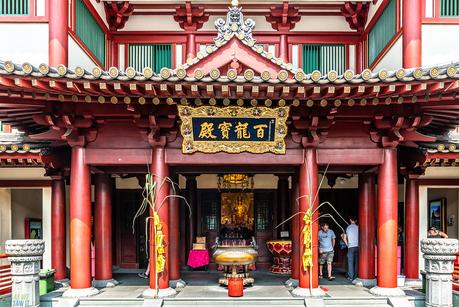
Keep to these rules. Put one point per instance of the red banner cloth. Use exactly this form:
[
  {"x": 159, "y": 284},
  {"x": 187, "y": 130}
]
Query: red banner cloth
[{"x": 198, "y": 258}]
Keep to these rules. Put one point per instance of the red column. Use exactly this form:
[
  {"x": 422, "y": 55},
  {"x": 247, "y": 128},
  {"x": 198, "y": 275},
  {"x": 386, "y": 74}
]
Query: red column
[
  {"x": 412, "y": 229},
  {"x": 387, "y": 220},
  {"x": 190, "y": 46},
  {"x": 295, "y": 231},
  {"x": 412, "y": 35},
  {"x": 283, "y": 48},
  {"x": 191, "y": 224},
  {"x": 58, "y": 248},
  {"x": 308, "y": 187},
  {"x": 174, "y": 236},
  {"x": 103, "y": 227},
  {"x": 366, "y": 227},
  {"x": 159, "y": 170},
  {"x": 80, "y": 221},
  {"x": 58, "y": 32}
]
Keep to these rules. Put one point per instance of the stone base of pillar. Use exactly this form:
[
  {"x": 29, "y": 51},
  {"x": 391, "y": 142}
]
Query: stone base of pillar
[
  {"x": 161, "y": 293},
  {"x": 306, "y": 292},
  {"x": 380, "y": 291},
  {"x": 292, "y": 283},
  {"x": 105, "y": 283},
  {"x": 80, "y": 292},
  {"x": 412, "y": 282},
  {"x": 62, "y": 283},
  {"x": 364, "y": 282},
  {"x": 177, "y": 284}
]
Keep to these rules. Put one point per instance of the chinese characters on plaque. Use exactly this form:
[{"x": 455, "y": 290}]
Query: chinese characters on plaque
[{"x": 233, "y": 129}]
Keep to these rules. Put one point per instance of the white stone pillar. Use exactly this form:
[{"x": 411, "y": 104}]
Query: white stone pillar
[
  {"x": 25, "y": 257},
  {"x": 439, "y": 256}
]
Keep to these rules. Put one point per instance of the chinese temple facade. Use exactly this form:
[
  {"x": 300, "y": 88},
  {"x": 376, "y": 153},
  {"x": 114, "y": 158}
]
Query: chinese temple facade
[{"x": 271, "y": 117}]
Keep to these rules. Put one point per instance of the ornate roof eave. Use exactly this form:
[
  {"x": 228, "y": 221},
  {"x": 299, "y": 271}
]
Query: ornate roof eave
[{"x": 436, "y": 73}]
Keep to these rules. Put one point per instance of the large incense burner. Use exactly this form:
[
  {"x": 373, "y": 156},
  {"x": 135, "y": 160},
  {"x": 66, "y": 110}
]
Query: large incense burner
[{"x": 235, "y": 255}]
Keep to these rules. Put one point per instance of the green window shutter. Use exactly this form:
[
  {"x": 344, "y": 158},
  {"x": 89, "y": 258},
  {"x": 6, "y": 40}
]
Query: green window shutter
[
  {"x": 89, "y": 31},
  {"x": 14, "y": 7},
  {"x": 155, "y": 56},
  {"x": 382, "y": 32},
  {"x": 324, "y": 58},
  {"x": 449, "y": 8}
]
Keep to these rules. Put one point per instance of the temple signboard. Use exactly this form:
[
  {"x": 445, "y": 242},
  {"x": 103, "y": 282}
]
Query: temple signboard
[{"x": 212, "y": 129}]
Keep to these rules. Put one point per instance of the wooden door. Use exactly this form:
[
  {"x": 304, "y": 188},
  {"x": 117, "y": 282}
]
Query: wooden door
[
  {"x": 265, "y": 201},
  {"x": 130, "y": 247}
]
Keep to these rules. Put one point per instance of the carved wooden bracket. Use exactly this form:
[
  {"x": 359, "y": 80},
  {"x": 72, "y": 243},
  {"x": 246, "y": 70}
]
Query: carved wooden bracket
[
  {"x": 283, "y": 17},
  {"x": 117, "y": 14},
  {"x": 75, "y": 130},
  {"x": 356, "y": 14},
  {"x": 190, "y": 18},
  {"x": 392, "y": 131},
  {"x": 157, "y": 130}
]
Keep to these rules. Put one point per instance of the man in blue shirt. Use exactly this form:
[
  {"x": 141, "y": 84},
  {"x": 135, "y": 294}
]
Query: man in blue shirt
[
  {"x": 351, "y": 238},
  {"x": 327, "y": 240}
]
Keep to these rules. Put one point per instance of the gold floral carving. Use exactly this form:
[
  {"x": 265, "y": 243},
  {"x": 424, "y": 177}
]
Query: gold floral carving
[{"x": 189, "y": 145}]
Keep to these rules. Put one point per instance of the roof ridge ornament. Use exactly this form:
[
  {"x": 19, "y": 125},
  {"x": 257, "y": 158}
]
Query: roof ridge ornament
[{"x": 234, "y": 25}]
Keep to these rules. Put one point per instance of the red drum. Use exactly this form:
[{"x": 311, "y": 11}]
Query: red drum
[{"x": 282, "y": 252}]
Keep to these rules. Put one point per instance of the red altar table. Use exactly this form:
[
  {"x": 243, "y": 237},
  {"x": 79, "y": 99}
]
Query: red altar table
[{"x": 198, "y": 258}]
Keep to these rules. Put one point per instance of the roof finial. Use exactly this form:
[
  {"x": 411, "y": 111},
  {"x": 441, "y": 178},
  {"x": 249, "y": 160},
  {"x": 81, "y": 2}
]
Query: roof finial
[{"x": 234, "y": 3}]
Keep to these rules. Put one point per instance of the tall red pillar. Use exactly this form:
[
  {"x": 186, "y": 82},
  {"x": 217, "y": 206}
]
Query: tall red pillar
[
  {"x": 174, "y": 236},
  {"x": 159, "y": 285},
  {"x": 283, "y": 48},
  {"x": 58, "y": 32},
  {"x": 411, "y": 229},
  {"x": 58, "y": 234},
  {"x": 191, "y": 224},
  {"x": 387, "y": 226},
  {"x": 103, "y": 231},
  {"x": 295, "y": 231},
  {"x": 366, "y": 274},
  {"x": 308, "y": 182},
  {"x": 412, "y": 33},
  {"x": 80, "y": 227},
  {"x": 190, "y": 46}
]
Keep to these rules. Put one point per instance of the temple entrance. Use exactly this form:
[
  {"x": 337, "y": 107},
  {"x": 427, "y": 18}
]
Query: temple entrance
[{"x": 234, "y": 214}]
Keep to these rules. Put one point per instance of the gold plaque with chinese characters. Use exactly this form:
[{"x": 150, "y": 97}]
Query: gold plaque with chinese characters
[{"x": 213, "y": 129}]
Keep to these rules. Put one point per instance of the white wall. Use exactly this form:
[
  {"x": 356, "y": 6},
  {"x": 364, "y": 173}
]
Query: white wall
[
  {"x": 31, "y": 173},
  {"x": 24, "y": 42},
  {"x": 167, "y": 23},
  {"x": 46, "y": 224},
  {"x": 393, "y": 59},
  {"x": 439, "y": 44},
  {"x": 25, "y": 203},
  {"x": 77, "y": 57},
  {"x": 5, "y": 218},
  {"x": 372, "y": 11},
  {"x": 99, "y": 7}
]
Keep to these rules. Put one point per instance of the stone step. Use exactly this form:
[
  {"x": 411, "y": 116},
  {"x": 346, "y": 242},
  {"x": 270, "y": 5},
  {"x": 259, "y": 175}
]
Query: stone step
[
  {"x": 88, "y": 302},
  {"x": 346, "y": 301},
  {"x": 241, "y": 302}
]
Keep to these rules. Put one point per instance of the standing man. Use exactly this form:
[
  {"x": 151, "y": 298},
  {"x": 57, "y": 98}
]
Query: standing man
[
  {"x": 327, "y": 240},
  {"x": 351, "y": 238}
]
